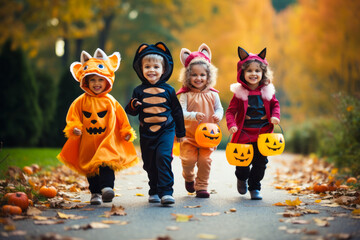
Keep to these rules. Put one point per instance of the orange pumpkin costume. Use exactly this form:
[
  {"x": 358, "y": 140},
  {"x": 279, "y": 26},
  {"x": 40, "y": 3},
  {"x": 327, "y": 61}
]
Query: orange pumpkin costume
[{"x": 101, "y": 118}]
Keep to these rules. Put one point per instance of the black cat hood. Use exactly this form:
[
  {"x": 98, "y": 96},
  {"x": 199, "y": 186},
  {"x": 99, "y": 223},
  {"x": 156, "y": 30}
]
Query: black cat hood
[{"x": 160, "y": 49}]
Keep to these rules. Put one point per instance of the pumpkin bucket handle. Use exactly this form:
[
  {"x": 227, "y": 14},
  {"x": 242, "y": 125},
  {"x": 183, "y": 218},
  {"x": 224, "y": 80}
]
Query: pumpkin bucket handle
[
  {"x": 199, "y": 121},
  {"x": 282, "y": 132},
  {"x": 243, "y": 132}
]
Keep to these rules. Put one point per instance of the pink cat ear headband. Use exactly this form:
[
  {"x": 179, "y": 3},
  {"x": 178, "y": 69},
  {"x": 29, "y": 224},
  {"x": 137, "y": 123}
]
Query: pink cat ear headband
[{"x": 186, "y": 56}]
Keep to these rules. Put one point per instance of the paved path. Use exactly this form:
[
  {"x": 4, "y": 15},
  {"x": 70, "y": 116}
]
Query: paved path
[{"x": 252, "y": 220}]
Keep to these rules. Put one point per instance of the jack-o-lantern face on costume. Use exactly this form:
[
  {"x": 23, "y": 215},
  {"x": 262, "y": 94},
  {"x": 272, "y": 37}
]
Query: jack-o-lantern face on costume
[
  {"x": 239, "y": 154},
  {"x": 95, "y": 122},
  {"x": 270, "y": 144},
  {"x": 208, "y": 135}
]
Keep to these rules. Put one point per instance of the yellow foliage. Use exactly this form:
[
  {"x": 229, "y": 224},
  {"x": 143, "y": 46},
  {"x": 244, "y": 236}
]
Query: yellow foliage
[{"x": 295, "y": 202}]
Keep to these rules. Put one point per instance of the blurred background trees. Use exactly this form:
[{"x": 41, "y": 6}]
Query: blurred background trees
[{"x": 312, "y": 48}]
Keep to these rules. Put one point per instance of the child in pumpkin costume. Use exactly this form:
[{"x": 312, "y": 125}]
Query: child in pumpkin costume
[
  {"x": 199, "y": 102},
  {"x": 253, "y": 110},
  {"x": 99, "y": 134},
  {"x": 160, "y": 118}
]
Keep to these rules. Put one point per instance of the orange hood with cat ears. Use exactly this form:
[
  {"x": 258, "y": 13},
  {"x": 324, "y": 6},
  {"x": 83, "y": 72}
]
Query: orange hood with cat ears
[{"x": 101, "y": 65}]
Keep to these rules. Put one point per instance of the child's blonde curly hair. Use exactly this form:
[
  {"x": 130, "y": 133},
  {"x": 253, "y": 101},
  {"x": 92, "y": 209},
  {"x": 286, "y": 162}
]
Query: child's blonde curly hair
[{"x": 211, "y": 73}]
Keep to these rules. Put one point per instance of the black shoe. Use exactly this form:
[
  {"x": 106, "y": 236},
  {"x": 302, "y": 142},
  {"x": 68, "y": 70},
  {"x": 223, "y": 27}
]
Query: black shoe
[
  {"x": 202, "y": 194},
  {"x": 242, "y": 187},
  {"x": 189, "y": 186}
]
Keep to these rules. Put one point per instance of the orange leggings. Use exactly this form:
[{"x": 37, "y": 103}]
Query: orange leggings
[{"x": 192, "y": 156}]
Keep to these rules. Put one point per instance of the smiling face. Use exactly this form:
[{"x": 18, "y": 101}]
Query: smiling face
[
  {"x": 239, "y": 154},
  {"x": 152, "y": 69},
  {"x": 253, "y": 75},
  {"x": 97, "y": 84},
  {"x": 95, "y": 122},
  {"x": 198, "y": 76},
  {"x": 208, "y": 135},
  {"x": 271, "y": 144}
]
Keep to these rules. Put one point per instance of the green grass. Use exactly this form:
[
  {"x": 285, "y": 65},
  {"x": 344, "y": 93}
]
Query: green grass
[{"x": 20, "y": 157}]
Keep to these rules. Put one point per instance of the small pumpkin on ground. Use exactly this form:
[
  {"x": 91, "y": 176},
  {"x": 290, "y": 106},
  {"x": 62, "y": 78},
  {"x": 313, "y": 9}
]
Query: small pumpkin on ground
[
  {"x": 28, "y": 170},
  {"x": 12, "y": 210},
  {"x": 320, "y": 187},
  {"x": 48, "y": 192},
  {"x": 351, "y": 180}
]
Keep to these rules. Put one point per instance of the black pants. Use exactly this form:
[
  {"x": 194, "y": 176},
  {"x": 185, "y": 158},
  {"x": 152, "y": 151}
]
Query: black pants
[
  {"x": 105, "y": 178},
  {"x": 255, "y": 172},
  {"x": 157, "y": 158}
]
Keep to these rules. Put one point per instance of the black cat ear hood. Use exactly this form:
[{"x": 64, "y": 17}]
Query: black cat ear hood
[{"x": 159, "y": 49}]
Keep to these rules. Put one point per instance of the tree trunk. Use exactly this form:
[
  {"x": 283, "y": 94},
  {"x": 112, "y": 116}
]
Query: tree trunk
[{"x": 104, "y": 34}]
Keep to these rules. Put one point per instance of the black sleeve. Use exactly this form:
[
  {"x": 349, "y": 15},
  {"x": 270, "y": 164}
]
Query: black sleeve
[
  {"x": 177, "y": 114},
  {"x": 130, "y": 109}
]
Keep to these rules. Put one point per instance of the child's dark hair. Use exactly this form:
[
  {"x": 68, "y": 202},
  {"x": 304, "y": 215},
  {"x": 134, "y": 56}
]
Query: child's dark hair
[{"x": 267, "y": 72}]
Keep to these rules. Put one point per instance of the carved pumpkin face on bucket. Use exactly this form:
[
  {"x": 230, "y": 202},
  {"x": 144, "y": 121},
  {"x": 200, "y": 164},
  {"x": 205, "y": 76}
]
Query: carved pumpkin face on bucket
[
  {"x": 239, "y": 154},
  {"x": 270, "y": 144},
  {"x": 95, "y": 121},
  {"x": 208, "y": 135}
]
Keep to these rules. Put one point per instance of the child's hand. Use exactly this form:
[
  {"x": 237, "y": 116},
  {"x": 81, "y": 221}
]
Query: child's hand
[
  {"x": 200, "y": 116},
  {"x": 274, "y": 120},
  {"x": 137, "y": 103},
  {"x": 127, "y": 137},
  {"x": 233, "y": 130},
  {"x": 77, "y": 131},
  {"x": 179, "y": 140},
  {"x": 216, "y": 118}
]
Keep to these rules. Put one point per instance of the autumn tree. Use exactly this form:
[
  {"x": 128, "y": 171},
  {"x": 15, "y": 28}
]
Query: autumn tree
[{"x": 318, "y": 56}]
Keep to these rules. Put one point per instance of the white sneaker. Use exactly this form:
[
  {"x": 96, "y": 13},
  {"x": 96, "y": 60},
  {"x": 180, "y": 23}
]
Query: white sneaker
[
  {"x": 167, "y": 199},
  {"x": 107, "y": 194},
  {"x": 154, "y": 198},
  {"x": 95, "y": 199}
]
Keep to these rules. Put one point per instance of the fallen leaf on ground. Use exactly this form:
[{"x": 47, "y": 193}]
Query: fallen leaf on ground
[
  {"x": 211, "y": 214},
  {"x": 68, "y": 216},
  {"x": 310, "y": 211},
  {"x": 279, "y": 204},
  {"x": 197, "y": 206},
  {"x": 182, "y": 217},
  {"x": 139, "y": 195},
  {"x": 206, "y": 236},
  {"x": 55, "y": 236},
  {"x": 312, "y": 232},
  {"x": 299, "y": 221},
  {"x": 14, "y": 233},
  {"x": 338, "y": 236},
  {"x": 40, "y": 218},
  {"x": 32, "y": 211},
  {"x": 116, "y": 211},
  {"x": 49, "y": 222},
  {"x": 117, "y": 222},
  {"x": 321, "y": 222},
  {"x": 92, "y": 225},
  {"x": 289, "y": 214},
  {"x": 295, "y": 202},
  {"x": 294, "y": 231},
  {"x": 356, "y": 212},
  {"x": 172, "y": 228}
]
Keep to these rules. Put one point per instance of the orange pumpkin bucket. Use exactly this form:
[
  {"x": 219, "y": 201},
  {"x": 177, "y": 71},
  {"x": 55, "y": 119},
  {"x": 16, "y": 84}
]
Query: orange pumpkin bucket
[
  {"x": 176, "y": 148},
  {"x": 239, "y": 154},
  {"x": 208, "y": 135},
  {"x": 270, "y": 144}
]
